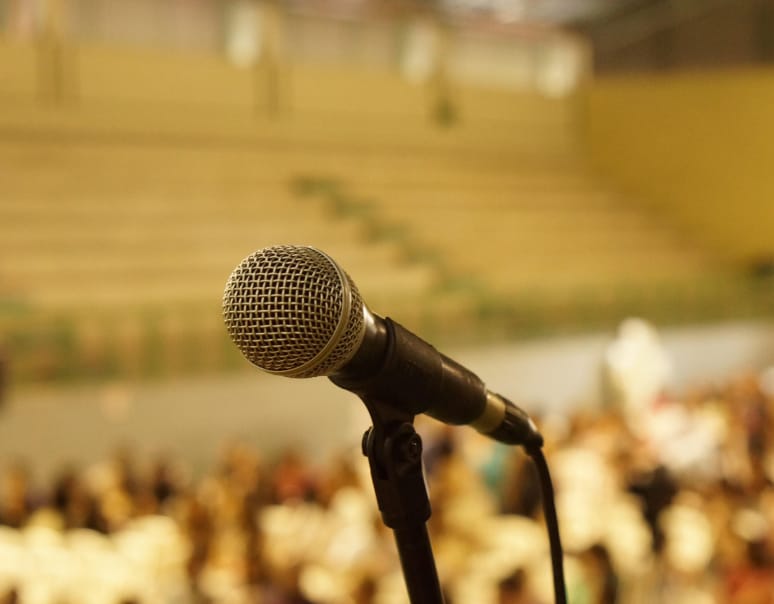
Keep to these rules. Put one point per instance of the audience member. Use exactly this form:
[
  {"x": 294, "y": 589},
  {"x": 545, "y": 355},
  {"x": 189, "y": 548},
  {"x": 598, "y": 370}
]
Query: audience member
[{"x": 292, "y": 532}]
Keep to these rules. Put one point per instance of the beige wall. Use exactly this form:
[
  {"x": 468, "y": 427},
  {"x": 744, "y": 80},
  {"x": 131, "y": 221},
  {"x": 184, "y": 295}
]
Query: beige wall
[
  {"x": 697, "y": 146},
  {"x": 112, "y": 89},
  {"x": 193, "y": 418}
]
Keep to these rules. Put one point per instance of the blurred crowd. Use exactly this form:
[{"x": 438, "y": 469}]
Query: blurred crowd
[{"x": 670, "y": 504}]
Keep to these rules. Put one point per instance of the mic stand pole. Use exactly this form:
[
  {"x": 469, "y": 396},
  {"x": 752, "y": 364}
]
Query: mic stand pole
[{"x": 394, "y": 452}]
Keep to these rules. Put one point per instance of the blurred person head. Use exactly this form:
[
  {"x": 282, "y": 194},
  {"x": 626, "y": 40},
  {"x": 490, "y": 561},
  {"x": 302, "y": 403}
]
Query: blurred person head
[
  {"x": 243, "y": 464},
  {"x": 9, "y": 596},
  {"x": 16, "y": 497},
  {"x": 365, "y": 591},
  {"x": 4, "y": 372},
  {"x": 166, "y": 481},
  {"x": 74, "y": 501},
  {"x": 751, "y": 579},
  {"x": 521, "y": 489},
  {"x": 440, "y": 445},
  {"x": 291, "y": 480},
  {"x": 339, "y": 473},
  {"x": 287, "y": 581},
  {"x": 689, "y": 544},
  {"x": 513, "y": 589},
  {"x": 601, "y": 576},
  {"x": 656, "y": 489},
  {"x": 117, "y": 508}
]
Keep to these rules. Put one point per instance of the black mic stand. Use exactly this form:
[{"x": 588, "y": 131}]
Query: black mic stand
[{"x": 394, "y": 452}]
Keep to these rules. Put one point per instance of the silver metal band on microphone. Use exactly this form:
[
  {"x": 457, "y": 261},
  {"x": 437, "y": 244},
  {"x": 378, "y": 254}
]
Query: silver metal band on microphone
[{"x": 493, "y": 415}]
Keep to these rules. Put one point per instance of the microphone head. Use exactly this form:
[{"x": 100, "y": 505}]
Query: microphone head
[{"x": 293, "y": 311}]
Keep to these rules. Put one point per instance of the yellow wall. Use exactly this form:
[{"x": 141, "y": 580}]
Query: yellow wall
[
  {"x": 697, "y": 146},
  {"x": 18, "y": 70},
  {"x": 136, "y": 75}
]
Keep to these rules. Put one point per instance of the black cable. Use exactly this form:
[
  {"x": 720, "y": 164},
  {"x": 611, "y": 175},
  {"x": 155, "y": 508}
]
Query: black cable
[{"x": 552, "y": 524}]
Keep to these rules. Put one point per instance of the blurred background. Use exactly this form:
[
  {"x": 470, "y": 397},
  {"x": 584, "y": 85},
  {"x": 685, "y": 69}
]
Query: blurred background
[{"x": 574, "y": 199}]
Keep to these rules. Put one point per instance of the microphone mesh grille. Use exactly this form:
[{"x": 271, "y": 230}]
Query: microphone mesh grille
[{"x": 282, "y": 306}]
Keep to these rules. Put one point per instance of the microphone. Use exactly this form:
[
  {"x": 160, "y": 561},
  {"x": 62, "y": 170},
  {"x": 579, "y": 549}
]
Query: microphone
[{"x": 293, "y": 311}]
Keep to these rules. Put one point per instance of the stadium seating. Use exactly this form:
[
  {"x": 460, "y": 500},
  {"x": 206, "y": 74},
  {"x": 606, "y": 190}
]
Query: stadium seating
[{"x": 122, "y": 217}]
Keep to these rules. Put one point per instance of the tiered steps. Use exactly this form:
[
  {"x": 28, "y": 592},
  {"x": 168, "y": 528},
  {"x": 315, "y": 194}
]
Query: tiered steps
[
  {"x": 522, "y": 231},
  {"x": 107, "y": 249}
]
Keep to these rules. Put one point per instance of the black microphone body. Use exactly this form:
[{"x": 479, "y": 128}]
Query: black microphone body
[{"x": 395, "y": 367}]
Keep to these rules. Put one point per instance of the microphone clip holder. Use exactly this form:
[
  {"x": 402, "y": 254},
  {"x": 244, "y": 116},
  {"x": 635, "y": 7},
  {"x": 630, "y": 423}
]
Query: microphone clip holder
[{"x": 394, "y": 452}]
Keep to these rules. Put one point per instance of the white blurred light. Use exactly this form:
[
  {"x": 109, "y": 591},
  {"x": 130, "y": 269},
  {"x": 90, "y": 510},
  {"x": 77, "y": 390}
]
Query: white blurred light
[
  {"x": 243, "y": 33},
  {"x": 767, "y": 381},
  {"x": 421, "y": 52},
  {"x": 689, "y": 539},
  {"x": 559, "y": 71},
  {"x": 638, "y": 367}
]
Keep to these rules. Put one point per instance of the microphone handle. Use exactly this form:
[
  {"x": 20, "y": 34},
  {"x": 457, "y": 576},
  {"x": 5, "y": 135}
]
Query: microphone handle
[
  {"x": 395, "y": 367},
  {"x": 413, "y": 376}
]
